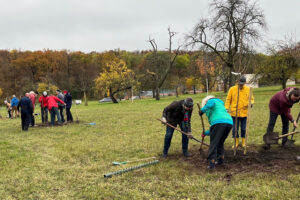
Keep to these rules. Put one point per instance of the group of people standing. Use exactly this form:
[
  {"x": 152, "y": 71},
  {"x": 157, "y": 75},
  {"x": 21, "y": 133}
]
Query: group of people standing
[
  {"x": 225, "y": 117},
  {"x": 54, "y": 104}
]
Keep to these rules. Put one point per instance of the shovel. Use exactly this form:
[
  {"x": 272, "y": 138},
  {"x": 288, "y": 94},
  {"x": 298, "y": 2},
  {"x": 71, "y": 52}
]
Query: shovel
[
  {"x": 125, "y": 162},
  {"x": 273, "y": 137},
  {"x": 184, "y": 133},
  {"x": 203, "y": 129}
]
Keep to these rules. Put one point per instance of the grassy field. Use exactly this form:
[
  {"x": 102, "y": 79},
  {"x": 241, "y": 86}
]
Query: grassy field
[{"x": 68, "y": 162}]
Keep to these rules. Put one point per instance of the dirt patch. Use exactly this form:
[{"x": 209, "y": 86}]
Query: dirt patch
[
  {"x": 276, "y": 160},
  {"x": 57, "y": 124}
]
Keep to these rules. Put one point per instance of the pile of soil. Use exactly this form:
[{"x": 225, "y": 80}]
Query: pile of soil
[{"x": 277, "y": 159}]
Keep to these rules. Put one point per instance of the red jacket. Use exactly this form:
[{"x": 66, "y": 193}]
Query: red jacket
[
  {"x": 32, "y": 98},
  {"x": 280, "y": 104},
  {"x": 52, "y": 102},
  {"x": 43, "y": 100}
]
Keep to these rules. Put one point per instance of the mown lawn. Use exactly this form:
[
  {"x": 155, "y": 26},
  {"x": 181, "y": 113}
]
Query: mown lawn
[{"x": 68, "y": 162}]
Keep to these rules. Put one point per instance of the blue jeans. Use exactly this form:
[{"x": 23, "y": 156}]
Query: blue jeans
[
  {"x": 168, "y": 138},
  {"x": 243, "y": 122},
  {"x": 54, "y": 111}
]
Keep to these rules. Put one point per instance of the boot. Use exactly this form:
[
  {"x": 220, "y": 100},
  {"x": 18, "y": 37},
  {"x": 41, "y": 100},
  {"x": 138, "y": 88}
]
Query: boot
[
  {"x": 243, "y": 142},
  {"x": 211, "y": 165},
  {"x": 236, "y": 142}
]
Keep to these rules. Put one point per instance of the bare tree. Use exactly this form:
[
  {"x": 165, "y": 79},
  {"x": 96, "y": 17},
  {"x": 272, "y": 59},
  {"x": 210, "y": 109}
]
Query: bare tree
[
  {"x": 158, "y": 77},
  {"x": 232, "y": 23}
]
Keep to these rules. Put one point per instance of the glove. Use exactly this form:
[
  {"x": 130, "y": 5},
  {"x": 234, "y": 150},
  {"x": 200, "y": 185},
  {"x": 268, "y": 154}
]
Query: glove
[
  {"x": 203, "y": 136},
  {"x": 200, "y": 113},
  {"x": 164, "y": 120},
  {"x": 207, "y": 132},
  {"x": 189, "y": 134}
]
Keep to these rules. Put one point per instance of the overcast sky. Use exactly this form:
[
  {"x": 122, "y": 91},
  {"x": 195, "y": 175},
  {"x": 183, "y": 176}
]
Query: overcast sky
[{"x": 100, "y": 25}]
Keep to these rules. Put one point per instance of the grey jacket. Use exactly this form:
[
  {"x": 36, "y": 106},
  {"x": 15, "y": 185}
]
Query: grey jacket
[{"x": 61, "y": 97}]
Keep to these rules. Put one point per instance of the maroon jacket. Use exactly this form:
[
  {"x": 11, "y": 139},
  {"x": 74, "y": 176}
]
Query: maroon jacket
[{"x": 281, "y": 104}]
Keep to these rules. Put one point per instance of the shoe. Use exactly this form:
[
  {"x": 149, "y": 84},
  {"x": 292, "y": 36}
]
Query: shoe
[
  {"x": 236, "y": 142},
  {"x": 187, "y": 154},
  {"x": 288, "y": 143},
  {"x": 243, "y": 142},
  {"x": 220, "y": 161},
  {"x": 164, "y": 155},
  {"x": 211, "y": 165}
]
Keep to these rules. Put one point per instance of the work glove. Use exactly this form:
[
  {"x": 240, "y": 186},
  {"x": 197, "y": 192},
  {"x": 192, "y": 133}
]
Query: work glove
[
  {"x": 207, "y": 132},
  {"x": 189, "y": 134},
  {"x": 164, "y": 120}
]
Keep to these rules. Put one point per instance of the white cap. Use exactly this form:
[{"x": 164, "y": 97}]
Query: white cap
[{"x": 45, "y": 93}]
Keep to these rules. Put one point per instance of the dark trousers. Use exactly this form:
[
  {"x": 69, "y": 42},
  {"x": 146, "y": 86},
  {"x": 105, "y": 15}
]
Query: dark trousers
[
  {"x": 285, "y": 124},
  {"x": 25, "y": 120},
  {"x": 168, "y": 139},
  {"x": 69, "y": 115},
  {"x": 54, "y": 111},
  {"x": 9, "y": 114},
  {"x": 44, "y": 113},
  {"x": 218, "y": 135},
  {"x": 61, "y": 111},
  {"x": 240, "y": 121},
  {"x": 32, "y": 121}
]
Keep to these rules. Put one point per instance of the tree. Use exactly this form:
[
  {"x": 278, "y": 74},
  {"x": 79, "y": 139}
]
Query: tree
[
  {"x": 1, "y": 92},
  {"x": 233, "y": 23},
  {"x": 115, "y": 78},
  {"x": 160, "y": 78},
  {"x": 180, "y": 71}
]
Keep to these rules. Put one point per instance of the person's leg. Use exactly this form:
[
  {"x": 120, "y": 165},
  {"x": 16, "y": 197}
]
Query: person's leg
[
  {"x": 285, "y": 127},
  {"x": 43, "y": 114},
  {"x": 184, "y": 141},
  {"x": 71, "y": 116},
  {"x": 237, "y": 127},
  {"x": 57, "y": 114},
  {"x": 23, "y": 117},
  {"x": 9, "y": 113},
  {"x": 216, "y": 133},
  {"x": 61, "y": 111},
  {"x": 220, "y": 148},
  {"x": 272, "y": 121},
  {"x": 68, "y": 114},
  {"x": 27, "y": 120},
  {"x": 52, "y": 116},
  {"x": 167, "y": 141},
  {"x": 243, "y": 121},
  {"x": 46, "y": 114}
]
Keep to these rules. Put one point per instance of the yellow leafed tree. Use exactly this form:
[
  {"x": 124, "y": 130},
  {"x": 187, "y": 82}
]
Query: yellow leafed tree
[{"x": 115, "y": 78}]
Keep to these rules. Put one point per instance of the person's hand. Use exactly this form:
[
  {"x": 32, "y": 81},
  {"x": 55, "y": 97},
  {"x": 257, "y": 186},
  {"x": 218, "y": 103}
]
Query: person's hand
[
  {"x": 164, "y": 120},
  {"x": 189, "y": 134},
  {"x": 295, "y": 124},
  {"x": 203, "y": 136}
]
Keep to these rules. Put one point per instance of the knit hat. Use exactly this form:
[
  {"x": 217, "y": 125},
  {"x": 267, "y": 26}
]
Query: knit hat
[
  {"x": 242, "y": 80},
  {"x": 65, "y": 91},
  {"x": 188, "y": 102},
  {"x": 205, "y": 100}
]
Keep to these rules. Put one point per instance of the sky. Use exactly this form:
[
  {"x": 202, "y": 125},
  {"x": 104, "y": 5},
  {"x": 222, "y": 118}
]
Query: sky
[{"x": 102, "y": 25}]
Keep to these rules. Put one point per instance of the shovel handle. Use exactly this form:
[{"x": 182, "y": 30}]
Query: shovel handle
[
  {"x": 201, "y": 117},
  {"x": 292, "y": 133},
  {"x": 177, "y": 129}
]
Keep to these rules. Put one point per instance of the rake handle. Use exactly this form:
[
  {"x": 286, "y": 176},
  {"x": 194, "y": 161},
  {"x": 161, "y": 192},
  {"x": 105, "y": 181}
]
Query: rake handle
[
  {"x": 184, "y": 133},
  {"x": 292, "y": 133}
]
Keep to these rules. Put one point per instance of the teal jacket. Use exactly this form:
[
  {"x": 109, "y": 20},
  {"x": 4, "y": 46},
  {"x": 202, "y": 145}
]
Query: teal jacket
[{"x": 216, "y": 112}]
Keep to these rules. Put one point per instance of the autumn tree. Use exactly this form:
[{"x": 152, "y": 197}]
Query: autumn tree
[
  {"x": 232, "y": 24},
  {"x": 115, "y": 78}
]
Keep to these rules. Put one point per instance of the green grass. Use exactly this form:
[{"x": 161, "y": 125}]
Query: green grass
[{"x": 69, "y": 162}]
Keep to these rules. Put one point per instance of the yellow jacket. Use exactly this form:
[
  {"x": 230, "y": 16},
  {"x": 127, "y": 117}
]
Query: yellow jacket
[{"x": 231, "y": 101}]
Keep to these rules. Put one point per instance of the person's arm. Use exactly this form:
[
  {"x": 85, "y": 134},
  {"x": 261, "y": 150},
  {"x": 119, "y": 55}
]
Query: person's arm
[
  {"x": 228, "y": 99},
  {"x": 57, "y": 99}
]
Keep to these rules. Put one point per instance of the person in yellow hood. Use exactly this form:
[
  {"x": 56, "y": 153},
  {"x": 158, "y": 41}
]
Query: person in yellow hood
[{"x": 243, "y": 101}]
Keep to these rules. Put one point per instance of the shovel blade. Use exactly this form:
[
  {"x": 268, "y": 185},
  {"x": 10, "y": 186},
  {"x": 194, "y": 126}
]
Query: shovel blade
[{"x": 271, "y": 138}]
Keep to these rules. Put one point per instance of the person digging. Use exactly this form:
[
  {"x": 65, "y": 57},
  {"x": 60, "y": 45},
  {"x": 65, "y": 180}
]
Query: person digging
[
  {"x": 281, "y": 104},
  {"x": 236, "y": 104},
  {"x": 178, "y": 113},
  {"x": 220, "y": 126}
]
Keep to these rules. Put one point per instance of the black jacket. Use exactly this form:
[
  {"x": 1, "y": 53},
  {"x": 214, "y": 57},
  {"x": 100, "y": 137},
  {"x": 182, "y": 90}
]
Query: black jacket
[
  {"x": 26, "y": 105},
  {"x": 174, "y": 113}
]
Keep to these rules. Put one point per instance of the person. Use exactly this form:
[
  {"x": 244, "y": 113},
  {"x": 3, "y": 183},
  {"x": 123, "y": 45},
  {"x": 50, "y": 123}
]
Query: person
[
  {"x": 220, "y": 126},
  {"x": 68, "y": 101},
  {"x": 8, "y": 107},
  {"x": 178, "y": 112},
  {"x": 232, "y": 101},
  {"x": 26, "y": 110},
  {"x": 44, "y": 107},
  {"x": 60, "y": 105},
  {"x": 32, "y": 96},
  {"x": 14, "y": 105},
  {"x": 281, "y": 104},
  {"x": 53, "y": 108}
]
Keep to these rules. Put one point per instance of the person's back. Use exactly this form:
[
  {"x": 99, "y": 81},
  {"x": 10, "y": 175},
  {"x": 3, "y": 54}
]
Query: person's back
[
  {"x": 68, "y": 100},
  {"x": 14, "y": 102},
  {"x": 25, "y": 104}
]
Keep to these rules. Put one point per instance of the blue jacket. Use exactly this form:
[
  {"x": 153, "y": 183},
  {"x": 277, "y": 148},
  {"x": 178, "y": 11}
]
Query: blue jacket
[
  {"x": 216, "y": 112},
  {"x": 14, "y": 102}
]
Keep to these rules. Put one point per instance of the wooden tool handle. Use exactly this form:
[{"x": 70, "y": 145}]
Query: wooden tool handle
[{"x": 292, "y": 133}]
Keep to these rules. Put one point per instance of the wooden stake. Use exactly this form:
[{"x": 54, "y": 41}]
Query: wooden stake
[{"x": 248, "y": 120}]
